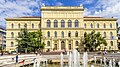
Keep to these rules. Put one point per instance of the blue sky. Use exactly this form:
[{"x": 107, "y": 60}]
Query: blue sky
[{"x": 20, "y": 8}]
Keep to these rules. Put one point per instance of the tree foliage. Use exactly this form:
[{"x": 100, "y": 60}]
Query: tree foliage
[
  {"x": 92, "y": 40},
  {"x": 30, "y": 41}
]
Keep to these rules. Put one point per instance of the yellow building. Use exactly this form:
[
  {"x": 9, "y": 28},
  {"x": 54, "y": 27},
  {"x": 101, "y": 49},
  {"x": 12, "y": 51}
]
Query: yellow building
[
  {"x": 62, "y": 28},
  {"x": 2, "y": 38}
]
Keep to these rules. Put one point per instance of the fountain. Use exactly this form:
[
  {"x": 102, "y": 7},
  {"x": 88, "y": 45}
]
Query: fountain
[
  {"x": 78, "y": 59},
  {"x": 95, "y": 59},
  {"x": 119, "y": 63},
  {"x": 101, "y": 61},
  {"x": 114, "y": 64},
  {"x": 85, "y": 59},
  {"x": 110, "y": 63},
  {"x": 61, "y": 60},
  {"x": 36, "y": 63},
  {"x": 104, "y": 61},
  {"x": 74, "y": 58},
  {"x": 92, "y": 65},
  {"x": 70, "y": 59}
]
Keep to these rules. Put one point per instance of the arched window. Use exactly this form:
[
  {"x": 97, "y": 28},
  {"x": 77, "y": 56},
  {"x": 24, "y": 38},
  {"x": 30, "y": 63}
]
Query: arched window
[
  {"x": 85, "y": 25},
  {"x": 97, "y": 25},
  {"x": 48, "y": 23},
  {"x": 62, "y": 34},
  {"x": 48, "y": 34},
  {"x": 62, "y": 23},
  {"x": 76, "y": 43},
  {"x": 69, "y": 23},
  {"x": 104, "y": 34},
  {"x": 69, "y": 34},
  {"x": 111, "y": 35},
  {"x": 76, "y": 23},
  {"x": 18, "y": 34},
  {"x": 76, "y": 34},
  {"x": 39, "y": 25},
  {"x": 12, "y": 44},
  {"x": 25, "y": 25},
  {"x": 12, "y": 35},
  {"x": 48, "y": 43},
  {"x": 55, "y": 23},
  {"x": 32, "y": 25},
  {"x": 12, "y": 25},
  {"x": 91, "y": 25},
  {"x": 55, "y": 34},
  {"x": 18, "y": 25},
  {"x": 111, "y": 42},
  {"x": 104, "y": 25},
  {"x": 110, "y": 25}
]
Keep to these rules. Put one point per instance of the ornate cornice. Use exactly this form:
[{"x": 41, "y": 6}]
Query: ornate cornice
[
  {"x": 100, "y": 19},
  {"x": 62, "y": 8},
  {"x": 22, "y": 19},
  {"x": 61, "y": 28}
]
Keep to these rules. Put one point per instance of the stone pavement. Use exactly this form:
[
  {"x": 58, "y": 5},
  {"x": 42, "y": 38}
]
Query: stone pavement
[{"x": 6, "y": 61}]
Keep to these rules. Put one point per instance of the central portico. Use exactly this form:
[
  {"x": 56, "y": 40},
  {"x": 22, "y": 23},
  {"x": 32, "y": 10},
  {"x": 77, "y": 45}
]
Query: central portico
[{"x": 62, "y": 27}]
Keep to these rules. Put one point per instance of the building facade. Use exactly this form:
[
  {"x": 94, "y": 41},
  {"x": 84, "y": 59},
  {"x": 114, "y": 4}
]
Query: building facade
[
  {"x": 2, "y": 38},
  {"x": 62, "y": 28}
]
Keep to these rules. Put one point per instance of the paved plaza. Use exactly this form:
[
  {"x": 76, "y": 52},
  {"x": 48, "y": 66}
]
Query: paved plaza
[{"x": 7, "y": 60}]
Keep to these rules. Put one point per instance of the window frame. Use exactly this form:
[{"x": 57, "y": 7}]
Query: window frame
[
  {"x": 69, "y": 23},
  {"x": 62, "y": 23},
  {"x": 48, "y": 34},
  {"x": 48, "y": 43},
  {"x": 48, "y": 23},
  {"x": 76, "y": 23},
  {"x": 55, "y": 24}
]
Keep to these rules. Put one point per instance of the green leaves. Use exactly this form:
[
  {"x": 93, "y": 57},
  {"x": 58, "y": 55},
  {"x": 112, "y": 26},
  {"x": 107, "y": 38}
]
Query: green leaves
[
  {"x": 30, "y": 40},
  {"x": 93, "y": 40}
]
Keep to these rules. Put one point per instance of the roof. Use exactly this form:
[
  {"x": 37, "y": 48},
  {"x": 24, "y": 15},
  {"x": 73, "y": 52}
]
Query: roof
[
  {"x": 30, "y": 17},
  {"x": 99, "y": 19},
  {"x": 24, "y": 19},
  {"x": 93, "y": 17},
  {"x": 62, "y": 8}
]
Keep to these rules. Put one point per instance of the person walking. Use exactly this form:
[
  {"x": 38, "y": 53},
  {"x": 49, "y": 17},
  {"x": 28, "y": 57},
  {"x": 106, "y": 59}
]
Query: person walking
[
  {"x": 17, "y": 58},
  {"x": 1, "y": 53}
]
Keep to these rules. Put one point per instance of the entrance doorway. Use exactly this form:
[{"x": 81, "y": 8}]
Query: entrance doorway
[
  {"x": 62, "y": 45},
  {"x": 55, "y": 47},
  {"x": 69, "y": 47}
]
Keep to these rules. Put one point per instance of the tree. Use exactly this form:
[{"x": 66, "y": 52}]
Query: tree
[
  {"x": 39, "y": 43},
  {"x": 36, "y": 40},
  {"x": 93, "y": 40},
  {"x": 30, "y": 41},
  {"x": 23, "y": 40}
]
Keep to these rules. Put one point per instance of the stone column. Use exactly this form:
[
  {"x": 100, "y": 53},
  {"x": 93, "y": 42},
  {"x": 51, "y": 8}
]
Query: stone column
[
  {"x": 52, "y": 44},
  {"x": 73, "y": 44},
  {"x": 66, "y": 44},
  {"x": 59, "y": 45}
]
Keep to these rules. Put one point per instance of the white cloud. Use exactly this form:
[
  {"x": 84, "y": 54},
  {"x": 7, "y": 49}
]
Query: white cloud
[
  {"x": 59, "y": 4},
  {"x": 86, "y": 12},
  {"x": 87, "y": 1},
  {"x": 17, "y": 8},
  {"x": 105, "y": 8}
]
